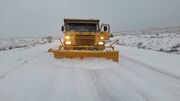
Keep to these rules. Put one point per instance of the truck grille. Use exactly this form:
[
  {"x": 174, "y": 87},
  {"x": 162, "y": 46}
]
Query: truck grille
[{"x": 85, "y": 39}]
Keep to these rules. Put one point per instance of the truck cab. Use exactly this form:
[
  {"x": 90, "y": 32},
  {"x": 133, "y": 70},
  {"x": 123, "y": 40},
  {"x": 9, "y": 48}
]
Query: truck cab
[{"x": 85, "y": 34}]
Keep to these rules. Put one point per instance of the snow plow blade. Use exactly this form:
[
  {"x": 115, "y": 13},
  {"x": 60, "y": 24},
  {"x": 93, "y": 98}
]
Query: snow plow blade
[{"x": 114, "y": 55}]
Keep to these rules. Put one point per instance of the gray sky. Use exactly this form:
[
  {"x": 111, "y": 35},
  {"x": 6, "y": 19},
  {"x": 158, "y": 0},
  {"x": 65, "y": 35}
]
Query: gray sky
[{"x": 21, "y": 18}]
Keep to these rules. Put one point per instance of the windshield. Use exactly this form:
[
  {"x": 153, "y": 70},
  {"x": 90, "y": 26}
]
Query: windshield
[{"x": 82, "y": 27}]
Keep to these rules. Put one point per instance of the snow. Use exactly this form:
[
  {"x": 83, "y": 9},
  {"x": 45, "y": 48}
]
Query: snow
[
  {"x": 89, "y": 64},
  {"x": 12, "y": 43},
  {"x": 32, "y": 74},
  {"x": 165, "y": 42},
  {"x": 161, "y": 62}
]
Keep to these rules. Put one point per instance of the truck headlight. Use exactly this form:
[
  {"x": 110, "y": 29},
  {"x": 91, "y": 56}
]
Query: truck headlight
[
  {"x": 102, "y": 37},
  {"x": 67, "y": 37},
  {"x": 100, "y": 43},
  {"x": 68, "y": 42}
]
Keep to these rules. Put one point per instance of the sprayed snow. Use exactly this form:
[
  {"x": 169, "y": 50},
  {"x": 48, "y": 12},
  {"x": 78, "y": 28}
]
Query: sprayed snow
[{"x": 86, "y": 63}]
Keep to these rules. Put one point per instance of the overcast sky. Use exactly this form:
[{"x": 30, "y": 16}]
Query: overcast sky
[{"x": 21, "y": 18}]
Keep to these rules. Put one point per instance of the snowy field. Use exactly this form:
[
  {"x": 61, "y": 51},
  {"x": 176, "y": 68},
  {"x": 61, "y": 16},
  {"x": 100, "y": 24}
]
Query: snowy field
[
  {"x": 32, "y": 74},
  {"x": 12, "y": 43},
  {"x": 159, "y": 39},
  {"x": 166, "y": 42}
]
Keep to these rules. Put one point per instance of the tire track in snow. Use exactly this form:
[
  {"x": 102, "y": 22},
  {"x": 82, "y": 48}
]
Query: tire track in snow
[
  {"x": 105, "y": 88},
  {"x": 47, "y": 91},
  {"x": 129, "y": 84},
  {"x": 151, "y": 83},
  {"x": 14, "y": 68},
  {"x": 44, "y": 91},
  {"x": 159, "y": 81},
  {"x": 153, "y": 68},
  {"x": 111, "y": 87}
]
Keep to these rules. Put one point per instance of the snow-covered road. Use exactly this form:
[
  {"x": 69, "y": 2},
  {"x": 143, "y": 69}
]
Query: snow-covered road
[{"x": 32, "y": 74}]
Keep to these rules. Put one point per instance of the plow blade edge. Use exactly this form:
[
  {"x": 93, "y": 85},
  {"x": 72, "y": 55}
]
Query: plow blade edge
[{"x": 114, "y": 55}]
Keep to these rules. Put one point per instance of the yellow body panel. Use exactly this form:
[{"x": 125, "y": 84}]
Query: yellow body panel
[
  {"x": 114, "y": 55},
  {"x": 97, "y": 37}
]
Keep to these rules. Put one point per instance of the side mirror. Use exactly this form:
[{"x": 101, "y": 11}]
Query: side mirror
[
  {"x": 105, "y": 28},
  {"x": 62, "y": 28}
]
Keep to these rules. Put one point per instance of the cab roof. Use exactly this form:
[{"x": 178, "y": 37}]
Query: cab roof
[{"x": 74, "y": 20}]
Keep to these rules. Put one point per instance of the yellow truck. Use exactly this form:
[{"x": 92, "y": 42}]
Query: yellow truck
[{"x": 85, "y": 38}]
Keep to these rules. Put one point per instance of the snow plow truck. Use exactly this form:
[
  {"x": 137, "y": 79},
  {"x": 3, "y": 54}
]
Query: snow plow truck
[{"x": 85, "y": 38}]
